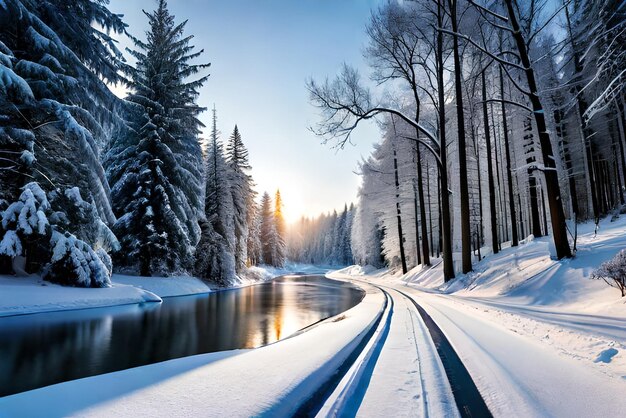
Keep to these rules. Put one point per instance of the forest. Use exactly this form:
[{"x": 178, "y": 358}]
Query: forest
[
  {"x": 500, "y": 121},
  {"x": 91, "y": 183}
]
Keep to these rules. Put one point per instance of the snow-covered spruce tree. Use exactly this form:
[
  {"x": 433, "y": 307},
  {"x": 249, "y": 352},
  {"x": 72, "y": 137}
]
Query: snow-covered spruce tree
[
  {"x": 80, "y": 242},
  {"x": 254, "y": 237},
  {"x": 242, "y": 189},
  {"x": 56, "y": 113},
  {"x": 156, "y": 168},
  {"x": 281, "y": 231},
  {"x": 26, "y": 231},
  {"x": 268, "y": 235},
  {"x": 54, "y": 104},
  {"x": 215, "y": 259}
]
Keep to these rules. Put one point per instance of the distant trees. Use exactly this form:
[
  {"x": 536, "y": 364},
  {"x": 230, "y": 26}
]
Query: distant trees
[
  {"x": 271, "y": 224},
  {"x": 325, "y": 240},
  {"x": 155, "y": 166}
]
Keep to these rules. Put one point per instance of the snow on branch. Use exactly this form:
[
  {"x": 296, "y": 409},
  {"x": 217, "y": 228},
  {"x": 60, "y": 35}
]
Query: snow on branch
[{"x": 608, "y": 95}]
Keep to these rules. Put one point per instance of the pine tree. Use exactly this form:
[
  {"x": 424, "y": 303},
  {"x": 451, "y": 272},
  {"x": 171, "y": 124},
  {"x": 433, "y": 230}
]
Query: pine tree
[
  {"x": 280, "y": 227},
  {"x": 241, "y": 184},
  {"x": 52, "y": 98},
  {"x": 267, "y": 230},
  {"x": 254, "y": 237},
  {"x": 215, "y": 253},
  {"x": 56, "y": 114},
  {"x": 156, "y": 167}
]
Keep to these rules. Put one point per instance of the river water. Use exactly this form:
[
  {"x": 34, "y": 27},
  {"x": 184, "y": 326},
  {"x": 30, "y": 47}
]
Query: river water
[{"x": 42, "y": 349}]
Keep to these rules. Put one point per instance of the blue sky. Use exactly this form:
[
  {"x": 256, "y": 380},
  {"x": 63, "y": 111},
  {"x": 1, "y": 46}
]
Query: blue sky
[{"x": 261, "y": 54}]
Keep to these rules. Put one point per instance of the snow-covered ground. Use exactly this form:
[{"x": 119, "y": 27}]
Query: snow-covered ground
[
  {"x": 165, "y": 286},
  {"x": 25, "y": 295},
  {"x": 527, "y": 276}
]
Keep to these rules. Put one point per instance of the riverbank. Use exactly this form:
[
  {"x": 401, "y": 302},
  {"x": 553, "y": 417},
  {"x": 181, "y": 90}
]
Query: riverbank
[
  {"x": 26, "y": 295},
  {"x": 273, "y": 380}
]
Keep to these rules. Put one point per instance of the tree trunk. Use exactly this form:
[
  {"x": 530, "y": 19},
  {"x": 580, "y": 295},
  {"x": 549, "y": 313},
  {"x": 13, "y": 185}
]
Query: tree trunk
[
  {"x": 557, "y": 216},
  {"x": 430, "y": 211},
  {"x": 562, "y": 133},
  {"x": 466, "y": 233},
  {"x": 497, "y": 143},
  {"x": 446, "y": 224},
  {"x": 417, "y": 229},
  {"x": 534, "y": 206},
  {"x": 621, "y": 140},
  {"x": 439, "y": 226},
  {"x": 492, "y": 189},
  {"x": 420, "y": 195},
  {"x": 586, "y": 130},
  {"x": 543, "y": 212},
  {"x": 508, "y": 168},
  {"x": 399, "y": 214},
  {"x": 481, "y": 228},
  {"x": 521, "y": 213}
]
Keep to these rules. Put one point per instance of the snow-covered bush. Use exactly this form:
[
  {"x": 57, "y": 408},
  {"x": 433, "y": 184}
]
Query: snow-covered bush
[
  {"x": 613, "y": 272},
  {"x": 75, "y": 263},
  {"x": 25, "y": 227},
  {"x": 64, "y": 233}
]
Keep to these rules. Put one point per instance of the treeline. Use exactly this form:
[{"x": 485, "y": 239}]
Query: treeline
[
  {"x": 504, "y": 119},
  {"x": 325, "y": 240},
  {"x": 84, "y": 174}
]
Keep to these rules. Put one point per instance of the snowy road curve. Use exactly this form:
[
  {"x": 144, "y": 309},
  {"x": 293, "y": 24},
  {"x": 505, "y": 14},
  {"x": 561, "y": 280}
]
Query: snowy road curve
[
  {"x": 407, "y": 368},
  {"x": 516, "y": 374}
]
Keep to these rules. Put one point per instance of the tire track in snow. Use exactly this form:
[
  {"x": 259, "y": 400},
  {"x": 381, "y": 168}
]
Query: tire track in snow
[{"x": 466, "y": 395}]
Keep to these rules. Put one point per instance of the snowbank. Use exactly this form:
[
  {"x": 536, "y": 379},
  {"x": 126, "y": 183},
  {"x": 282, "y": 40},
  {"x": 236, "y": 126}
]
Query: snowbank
[
  {"x": 165, "y": 286},
  {"x": 24, "y": 295},
  {"x": 528, "y": 276},
  {"x": 256, "y": 274},
  {"x": 270, "y": 381}
]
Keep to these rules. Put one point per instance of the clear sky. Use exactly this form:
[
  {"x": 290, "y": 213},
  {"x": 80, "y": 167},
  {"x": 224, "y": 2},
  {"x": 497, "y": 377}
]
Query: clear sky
[{"x": 261, "y": 54}]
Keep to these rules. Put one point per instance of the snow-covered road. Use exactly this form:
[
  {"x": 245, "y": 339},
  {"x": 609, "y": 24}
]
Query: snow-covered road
[
  {"x": 399, "y": 373},
  {"x": 519, "y": 376},
  {"x": 516, "y": 374}
]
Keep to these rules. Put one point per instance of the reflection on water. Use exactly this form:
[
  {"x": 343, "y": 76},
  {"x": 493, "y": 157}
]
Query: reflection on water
[{"x": 42, "y": 349}]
